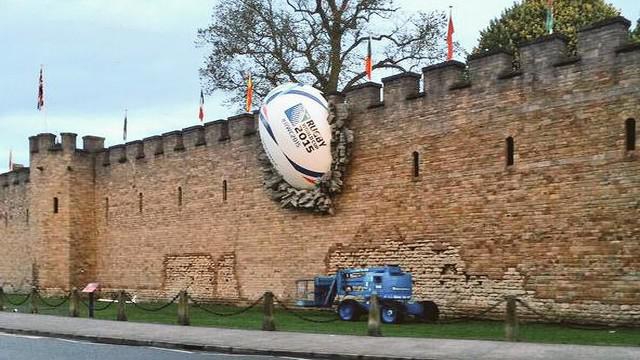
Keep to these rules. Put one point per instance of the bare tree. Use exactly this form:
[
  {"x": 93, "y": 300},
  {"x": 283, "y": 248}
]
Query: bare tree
[{"x": 319, "y": 42}]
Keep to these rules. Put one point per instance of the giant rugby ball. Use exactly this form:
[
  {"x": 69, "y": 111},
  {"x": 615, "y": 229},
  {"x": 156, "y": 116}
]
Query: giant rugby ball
[{"x": 295, "y": 133}]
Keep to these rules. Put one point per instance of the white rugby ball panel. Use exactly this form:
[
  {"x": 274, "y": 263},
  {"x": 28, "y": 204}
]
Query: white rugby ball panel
[{"x": 295, "y": 133}]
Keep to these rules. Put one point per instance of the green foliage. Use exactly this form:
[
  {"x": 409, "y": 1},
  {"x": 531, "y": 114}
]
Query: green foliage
[
  {"x": 635, "y": 34},
  {"x": 525, "y": 21}
]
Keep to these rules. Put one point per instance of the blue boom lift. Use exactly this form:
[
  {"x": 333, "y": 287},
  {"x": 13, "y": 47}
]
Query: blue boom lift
[{"x": 351, "y": 289}]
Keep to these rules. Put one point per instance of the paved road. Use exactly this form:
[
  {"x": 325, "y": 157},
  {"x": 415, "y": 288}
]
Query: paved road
[{"x": 22, "y": 347}]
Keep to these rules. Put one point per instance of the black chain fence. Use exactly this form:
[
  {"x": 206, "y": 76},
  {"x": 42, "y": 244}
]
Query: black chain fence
[
  {"x": 19, "y": 303},
  {"x": 53, "y": 306},
  {"x": 303, "y": 317},
  {"x": 559, "y": 320},
  {"x": 203, "y": 307},
  {"x": 144, "y": 308},
  {"x": 549, "y": 316},
  {"x": 105, "y": 307},
  {"x": 475, "y": 316}
]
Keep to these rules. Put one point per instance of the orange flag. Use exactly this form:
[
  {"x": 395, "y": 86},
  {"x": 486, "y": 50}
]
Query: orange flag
[
  {"x": 201, "y": 110},
  {"x": 450, "y": 37},
  {"x": 368, "y": 61},
  {"x": 249, "y": 93}
]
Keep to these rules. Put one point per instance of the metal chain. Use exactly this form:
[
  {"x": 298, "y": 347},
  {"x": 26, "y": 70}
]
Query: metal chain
[
  {"x": 302, "y": 317},
  {"x": 560, "y": 320},
  {"x": 156, "y": 309},
  {"x": 102, "y": 308},
  {"x": 243, "y": 310},
  {"x": 19, "y": 303},
  {"x": 475, "y": 316},
  {"x": 53, "y": 306}
]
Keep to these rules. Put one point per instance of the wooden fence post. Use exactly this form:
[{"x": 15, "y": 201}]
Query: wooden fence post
[
  {"x": 183, "y": 308},
  {"x": 511, "y": 320},
  {"x": 373, "y": 326},
  {"x": 1, "y": 299},
  {"x": 122, "y": 302},
  {"x": 34, "y": 301},
  {"x": 74, "y": 303},
  {"x": 267, "y": 321}
]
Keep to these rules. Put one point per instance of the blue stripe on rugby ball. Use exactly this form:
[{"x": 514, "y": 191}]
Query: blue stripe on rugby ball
[
  {"x": 272, "y": 97},
  {"x": 264, "y": 122},
  {"x": 304, "y": 170},
  {"x": 309, "y": 96}
]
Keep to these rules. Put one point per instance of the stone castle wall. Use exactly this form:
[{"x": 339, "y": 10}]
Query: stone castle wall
[{"x": 559, "y": 227}]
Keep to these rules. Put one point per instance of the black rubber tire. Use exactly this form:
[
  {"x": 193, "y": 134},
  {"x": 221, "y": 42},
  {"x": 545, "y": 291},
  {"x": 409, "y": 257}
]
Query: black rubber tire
[
  {"x": 391, "y": 307},
  {"x": 355, "y": 310},
  {"x": 431, "y": 312}
]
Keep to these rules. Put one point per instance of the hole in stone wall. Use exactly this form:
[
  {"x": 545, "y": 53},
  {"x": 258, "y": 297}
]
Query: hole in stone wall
[
  {"x": 630, "y": 130},
  {"x": 140, "y": 203},
  {"x": 509, "y": 150},
  {"x": 106, "y": 209},
  {"x": 448, "y": 269},
  {"x": 179, "y": 196},
  {"x": 55, "y": 205},
  {"x": 27, "y": 216},
  {"x": 416, "y": 164}
]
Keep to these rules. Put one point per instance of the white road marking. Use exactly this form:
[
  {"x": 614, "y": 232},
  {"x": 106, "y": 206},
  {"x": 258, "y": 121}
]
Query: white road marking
[
  {"x": 68, "y": 340},
  {"x": 21, "y": 336},
  {"x": 174, "y": 350}
]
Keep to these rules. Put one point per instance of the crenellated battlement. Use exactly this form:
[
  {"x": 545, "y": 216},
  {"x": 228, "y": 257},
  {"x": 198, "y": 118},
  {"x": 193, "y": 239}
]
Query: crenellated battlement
[
  {"x": 208, "y": 135},
  {"x": 602, "y": 47},
  {"x": 18, "y": 176}
]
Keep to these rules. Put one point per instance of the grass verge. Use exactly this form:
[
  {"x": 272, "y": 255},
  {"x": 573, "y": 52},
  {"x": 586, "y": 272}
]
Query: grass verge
[{"x": 285, "y": 321}]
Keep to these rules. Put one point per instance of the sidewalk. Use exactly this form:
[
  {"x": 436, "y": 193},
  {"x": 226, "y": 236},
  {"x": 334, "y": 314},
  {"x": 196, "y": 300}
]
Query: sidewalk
[{"x": 298, "y": 344}]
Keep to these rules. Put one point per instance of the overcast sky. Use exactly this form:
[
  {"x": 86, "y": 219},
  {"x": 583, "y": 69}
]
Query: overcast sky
[{"x": 102, "y": 56}]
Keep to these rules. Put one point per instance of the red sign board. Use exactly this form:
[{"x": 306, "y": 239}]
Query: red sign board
[{"x": 91, "y": 287}]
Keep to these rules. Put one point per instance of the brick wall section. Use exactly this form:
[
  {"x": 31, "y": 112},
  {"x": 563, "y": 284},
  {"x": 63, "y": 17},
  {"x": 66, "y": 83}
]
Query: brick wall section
[
  {"x": 194, "y": 273},
  {"x": 15, "y": 231},
  {"x": 559, "y": 228}
]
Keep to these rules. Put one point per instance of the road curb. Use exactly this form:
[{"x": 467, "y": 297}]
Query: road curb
[{"x": 202, "y": 347}]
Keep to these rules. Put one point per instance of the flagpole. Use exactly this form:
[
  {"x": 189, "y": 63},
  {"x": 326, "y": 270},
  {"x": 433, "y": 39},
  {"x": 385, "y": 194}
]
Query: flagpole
[{"x": 450, "y": 31}]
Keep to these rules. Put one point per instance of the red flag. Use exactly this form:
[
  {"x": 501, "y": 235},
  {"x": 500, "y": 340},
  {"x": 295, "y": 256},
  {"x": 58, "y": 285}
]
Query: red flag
[
  {"x": 249, "y": 93},
  {"x": 41, "y": 90},
  {"x": 450, "y": 37},
  {"x": 368, "y": 61},
  {"x": 124, "y": 128},
  {"x": 201, "y": 111}
]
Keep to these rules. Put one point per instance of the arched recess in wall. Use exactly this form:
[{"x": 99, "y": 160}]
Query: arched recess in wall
[
  {"x": 55, "y": 205},
  {"x": 416, "y": 164},
  {"x": 224, "y": 190},
  {"x": 630, "y": 134},
  {"x": 106, "y": 209},
  {"x": 179, "y": 196},
  {"x": 509, "y": 151},
  {"x": 140, "y": 199}
]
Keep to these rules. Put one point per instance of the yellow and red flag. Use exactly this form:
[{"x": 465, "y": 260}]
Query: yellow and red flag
[
  {"x": 450, "y": 37},
  {"x": 249, "y": 93},
  {"x": 201, "y": 111},
  {"x": 368, "y": 61}
]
